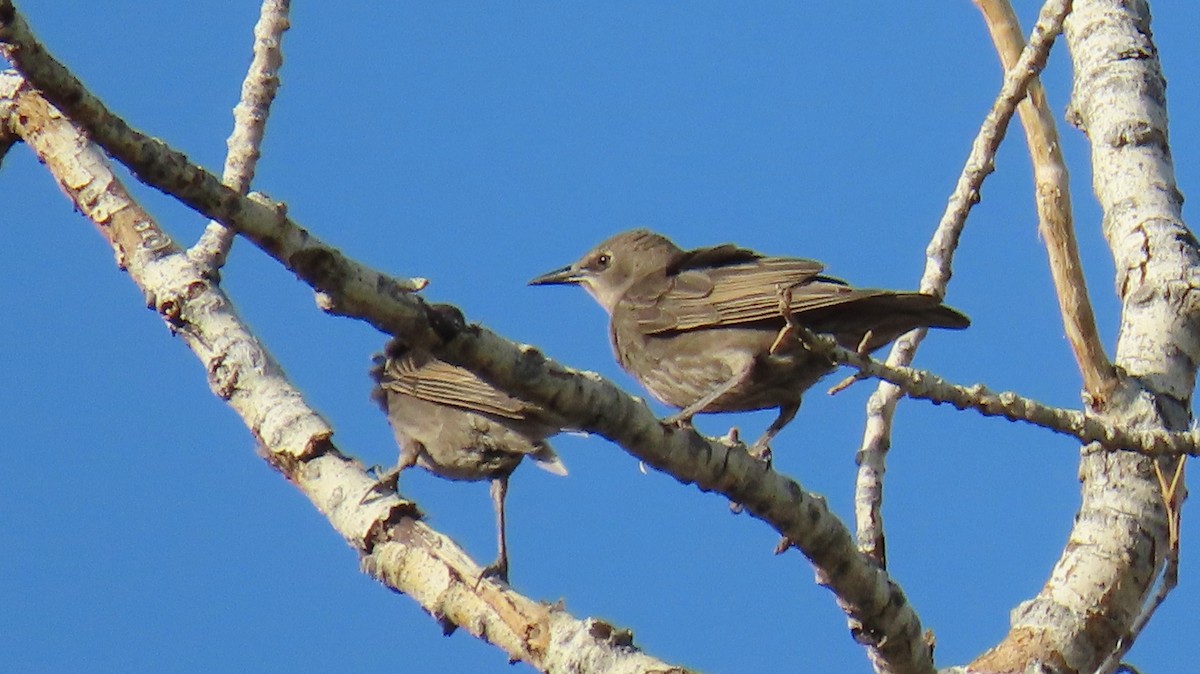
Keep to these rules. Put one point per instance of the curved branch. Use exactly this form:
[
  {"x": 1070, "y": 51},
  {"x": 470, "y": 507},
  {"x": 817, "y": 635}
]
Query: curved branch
[
  {"x": 1053, "y": 198},
  {"x": 1121, "y": 537},
  {"x": 889, "y": 626},
  {"x": 881, "y": 407},
  {"x": 396, "y": 547}
]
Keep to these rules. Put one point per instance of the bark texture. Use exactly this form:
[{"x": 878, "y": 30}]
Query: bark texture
[{"x": 1120, "y": 540}]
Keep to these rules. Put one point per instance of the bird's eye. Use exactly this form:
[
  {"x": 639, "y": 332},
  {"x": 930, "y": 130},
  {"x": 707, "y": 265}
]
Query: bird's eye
[{"x": 603, "y": 260}]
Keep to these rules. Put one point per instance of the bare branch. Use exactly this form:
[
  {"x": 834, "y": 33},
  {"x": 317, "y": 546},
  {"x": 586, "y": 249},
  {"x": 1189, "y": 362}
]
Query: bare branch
[
  {"x": 881, "y": 407},
  {"x": 1120, "y": 541},
  {"x": 1053, "y": 199},
  {"x": 396, "y": 547},
  {"x": 249, "y": 121},
  {"x": 168, "y": 170},
  {"x": 889, "y": 626},
  {"x": 1085, "y": 427}
]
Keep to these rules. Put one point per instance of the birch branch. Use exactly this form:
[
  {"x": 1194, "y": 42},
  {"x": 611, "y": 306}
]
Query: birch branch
[{"x": 1082, "y": 426}]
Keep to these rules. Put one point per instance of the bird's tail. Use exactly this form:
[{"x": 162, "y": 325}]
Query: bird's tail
[
  {"x": 929, "y": 312},
  {"x": 876, "y": 317}
]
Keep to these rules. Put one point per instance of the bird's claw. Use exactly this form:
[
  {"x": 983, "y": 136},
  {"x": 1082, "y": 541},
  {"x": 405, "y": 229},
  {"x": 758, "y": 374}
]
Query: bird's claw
[
  {"x": 497, "y": 570},
  {"x": 386, "y": 483},
  {"x": 760, "y": 451}
]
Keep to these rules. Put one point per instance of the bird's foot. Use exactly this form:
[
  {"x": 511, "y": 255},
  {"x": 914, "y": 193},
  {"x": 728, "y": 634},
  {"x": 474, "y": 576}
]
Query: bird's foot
[
  {"x": 387, "y": 483},
  {"x": 497, "y": 570},
  {"x": 792, "y": 333},
  {"x": 761, "y": 450},
  {"x": 783, "y": 544}
]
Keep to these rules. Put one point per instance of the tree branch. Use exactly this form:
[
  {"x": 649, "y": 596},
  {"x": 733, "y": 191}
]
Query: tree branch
[
  {"x": 1085, "y": 427},
  {"x": 249, "y": 122},
  {"x": 881, "y": 407},
  {"x": 1120, "y": 540},
  {"x": 890, "y": 627},
  {"x": 396, "y": 547},
  {"x": 1053, "y": 198}
]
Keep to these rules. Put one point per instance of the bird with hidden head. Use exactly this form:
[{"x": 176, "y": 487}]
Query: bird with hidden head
[
  {"x": 701, "y": 329},
  {"x": 455, "y": 425}
]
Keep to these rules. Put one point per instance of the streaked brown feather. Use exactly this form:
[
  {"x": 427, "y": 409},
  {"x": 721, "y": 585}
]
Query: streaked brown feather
[
  {"x": 747, "y": 292},
  {"x": 439, "y": 382}
]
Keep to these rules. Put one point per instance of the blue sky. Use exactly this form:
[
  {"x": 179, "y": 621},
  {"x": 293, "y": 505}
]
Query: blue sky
[{"x": 479, "y": 145}]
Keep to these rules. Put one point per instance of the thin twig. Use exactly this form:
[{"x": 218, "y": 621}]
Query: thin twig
[
  {"x": 1053, "y": 199},
  {"x": 1084, "y": 427},
  {"x": 256, "y": 217},
  {"x": 881, "y": 406},
  {"x": 249, "y": 121}
]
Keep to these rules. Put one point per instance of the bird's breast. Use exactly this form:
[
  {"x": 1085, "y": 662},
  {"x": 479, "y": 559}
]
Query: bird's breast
[{"x": 680, "y": 368}]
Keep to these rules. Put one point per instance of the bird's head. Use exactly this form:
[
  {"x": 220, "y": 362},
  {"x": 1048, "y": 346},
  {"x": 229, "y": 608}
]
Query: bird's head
[{"x": 610, "y": 269}]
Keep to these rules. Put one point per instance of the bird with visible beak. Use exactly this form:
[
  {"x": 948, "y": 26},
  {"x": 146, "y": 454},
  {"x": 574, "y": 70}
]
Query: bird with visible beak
[{"x": 700, "y": 329}]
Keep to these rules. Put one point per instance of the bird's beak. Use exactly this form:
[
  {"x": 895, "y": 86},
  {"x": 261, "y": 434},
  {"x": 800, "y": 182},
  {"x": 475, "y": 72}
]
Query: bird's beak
[{"x": 565, "y": 276}]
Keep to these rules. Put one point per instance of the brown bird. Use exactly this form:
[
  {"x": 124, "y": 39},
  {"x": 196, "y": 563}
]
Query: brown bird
[
  {"x": 699, "y": 328},
  {"x": 455, "y": 425}
]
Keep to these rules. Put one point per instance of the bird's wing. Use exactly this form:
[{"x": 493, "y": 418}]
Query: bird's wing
[
  {"x": 439, "y": 382},
  {"x": 710, "y": 257},
  {"x": 732, "y": 294}
]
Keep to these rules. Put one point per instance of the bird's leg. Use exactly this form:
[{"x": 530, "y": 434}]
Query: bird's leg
[
  {"x": 761, "y": 448},
  {"x": 684, "y": 416},
  {"x": 389, "y": 481},
  {"x": 499, "y": 568}
]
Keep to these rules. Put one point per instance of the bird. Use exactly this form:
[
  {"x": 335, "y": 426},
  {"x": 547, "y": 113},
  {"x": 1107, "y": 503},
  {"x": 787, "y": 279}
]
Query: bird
[
  {"x": 702, "y": 330},
  {"x": 455, "y": 425}
]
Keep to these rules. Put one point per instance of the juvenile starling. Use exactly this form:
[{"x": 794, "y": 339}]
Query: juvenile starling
[
  {"x": 455, "y": 425},
  {"x": 698, "y": 328}
]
